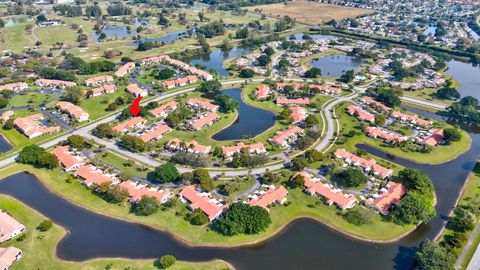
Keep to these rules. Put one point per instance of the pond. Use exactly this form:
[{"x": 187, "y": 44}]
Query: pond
[
  {"x": 251, "y": 120},
  {"x": 214, "y": 60},
  {"x": 430, "y": 30},
  {"x": 119, "y": 31},
  {"x": 4, "y": 145},
  {"x": 467, "y": 75},
  {"x": 335, "y": 65},
  {"x": 170, "y": 37},
  {"x": 15, "y": 20}
]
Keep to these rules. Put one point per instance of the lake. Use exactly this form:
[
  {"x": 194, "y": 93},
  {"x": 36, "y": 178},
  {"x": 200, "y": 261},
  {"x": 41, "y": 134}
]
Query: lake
[
  {"x": 4, "y": 145},
  {"x": 251, "y": 120},
  {"x": 335, "y": 65},
  {"x": 214, "y": 60},
  {"x": 467, "y": 75}
]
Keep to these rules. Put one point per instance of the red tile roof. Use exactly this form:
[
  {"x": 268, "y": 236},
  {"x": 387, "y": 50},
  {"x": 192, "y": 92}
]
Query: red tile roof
[
  {"x": 32, "y": 127},
  {"x": 9, "y": 227},
  {"x": 371, "y": 101},
  {"x": 391, "y": 196},
  {"x": 8, "y": 255},
  {"x": 412, "y": 118},
  {"x": 123, "y": 70},
  {"x": 155, "y": 133},
  {"x": 74, "y": 111},
  {"x": 206, "y": 120},
  {"x": 292, "y": 101},
  {"x": 162, "y": 110},
  {"x": 360, "y": 113},
  {"x": 130, "y": 123},
  {"x": 136, "y": 90},
  {"x": 209, "y": 206},
  {"x": 14, "y": 86},
  {"x": 99, "y": 79},
  {"x": 93, "y": 176},
  {"x": 298, "y": 114},
  {"x": 262, "y": 91},
  {"x": 252, "y": 148},
  {"x": 68, "y": 159},
  {"x": 54, "y": 83},
  {"x": 282, "y": 137},
  {"x": 194, "y": 102},
  {"x": 137, "y": 191},
  {"x": 273, "y": 194}
]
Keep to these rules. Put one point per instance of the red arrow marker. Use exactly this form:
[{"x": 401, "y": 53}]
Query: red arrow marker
[{"x": 135, "y": 109}]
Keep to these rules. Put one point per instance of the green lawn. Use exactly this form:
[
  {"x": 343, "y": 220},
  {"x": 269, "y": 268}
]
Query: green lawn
[
  {"x": 75, "y": 192},
  {"x": 119, "y": 162},
  {"x": 39, "y": 247},
  {"x": 15, "y": 38},
  {"x": 64, "y": 33},
  {"x": 32, "y": 98}
]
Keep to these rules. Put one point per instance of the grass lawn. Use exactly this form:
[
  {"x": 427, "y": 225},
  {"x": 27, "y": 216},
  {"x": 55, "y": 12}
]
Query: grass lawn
[
  {"x": 167, "y": 220},
  {"x": 63, "y": 33},
  {"x": 118, "y": 161},
  {"x": 15, "y": 38},
  {"x": 95, "y": 106},
  {"x": 40, "y": 253},
  {"x": 440, "y": 154},
  {"x": 428, "y": 95},
  {"x": 32, "y": 98}
]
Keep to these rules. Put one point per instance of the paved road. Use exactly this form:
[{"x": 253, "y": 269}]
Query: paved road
[
  {"x": 475, "y": 261},
  {"x": 425, "y": 103}
]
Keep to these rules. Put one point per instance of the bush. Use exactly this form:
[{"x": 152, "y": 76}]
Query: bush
[
  {"x": 359, "y": 217},
  {"x": 45, "y": 225},
  {"x": 146, "y": 206},
  {"x": 197, "y": 217},
  {"x": 243, "y": 218},
  {"x": 167, "y": 261}
]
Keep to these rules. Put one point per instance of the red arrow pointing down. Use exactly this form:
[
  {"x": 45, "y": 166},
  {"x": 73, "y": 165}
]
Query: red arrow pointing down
[{"x": 135, "y": 109}]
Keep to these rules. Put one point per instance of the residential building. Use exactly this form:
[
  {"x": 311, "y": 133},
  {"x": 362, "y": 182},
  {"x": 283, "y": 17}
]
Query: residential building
[
  {"x": 190, "y": 147},
  {"x": 314, "y": 186},
  {"x": 32, "y": 127},
  {"x": 9, "y": 227},
  {"x": 262, "y": 91},
  {"x": 285, "y": 137},
  {"x": 202, "y": 200},
  {"x": 360, "y": 113},
  {"x": 103, "y": 89},
  {"x": 298, "y": 114},
  {"x": 326, "y": 89},
  {"x": 134, "y": 122},
  {"x": 69, "y": 159},
  {"x": 18, "y": 86},
  {"x": 374, "y": 104},
  {"x": 206, "y": 120},
  {"x": 156, "y": 132},
  {"x": 202, "y": 104},
  {"x": 99, "y": 80},
  {"x": 74, "y": 111},
  {"x": 163, "y": 110},
  {"x": 257, "y": 148},
  {"x": 92, "y": 176},
  {"x": 264, "y": 198},
  {"x": 6, "y": 115},
  {"x": 434, "y": 137},
  {"x": 292, "y": 101},
  {"x": 54, "y": 83},
  {"x": 136, "y": 91},
  {"x": 412, "y": 119},
  {"x": 125, "y": 69},
  {"x": 9, "y": 255},
  {"x": 137, "y": 191},
  {"x": 296, "y": 86},
  {"x": 366, "y": 165},
  {"x": 389, "y": 196},
  {"x": 387, "y": 136}
]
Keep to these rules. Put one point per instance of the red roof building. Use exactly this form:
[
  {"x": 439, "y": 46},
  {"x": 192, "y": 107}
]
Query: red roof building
[
  {"x": 125, "y": 69},
  {"x": 375, "y": 104},
  {"x": 205, "y": 120},
  {"x": 203, "y": 104},
  {"x": 267, "y": 197},
  {"x": 99, "y": 80},
  {"x": 156, "y": 133},
  {"x": 361, "y": 114},
  {"x": 434, "y": 138},
  {"x": 163, "y": 110},
  {"x": 32, "y": 127},
  {"x": 103, "y": 89},
  {"x": 55, "y": 83},
  {"x": 124, "y": 126},
  {"x": 257, "y": 148},
  {"x": 91, "y": 176},
  {"x": 292, "y": 101},
  {"x": 387, "y": 136},
  {"x": 136, "y": 91},
  {"x": 262, "y": 91},
  {"x": 314, "y": 186},
  {"x": 325, "y": 89},
  {"x": 6, "y": 115},
  {"x": 67, "y": 158},
  {"x": 18, "y": 86},
  {"x": 9, "y": 227},
  {"x": 388, "y": 197},
  {"x": 190, "y": 147},
  {"x": 296, "y": 86},
  {"x": 9, "y": 255},
  {"x": 202, "y": 200},
  {"x": 412, "y": 119},
  {"x": 366, "y": 165},
  {"x": 136, "y": 191},
  {"x": 298, "y": 114},
  {"x": 284, "y": 137},
  {"x": 74, "y": 111}
]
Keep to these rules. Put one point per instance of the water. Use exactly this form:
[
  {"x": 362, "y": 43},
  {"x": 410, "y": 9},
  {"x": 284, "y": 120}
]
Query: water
[
  {"x": 251, "y": 120},
  {"x": 119, "y": 31},
  {"x": 15, "y": 20},
  {"x": 430, "y": 30},
  {"x": 214, "y": 60},
  {"x": 4, "y": 145},
  {"x": 467, "y": 75},
  {"x": 170, "y": 37},
  {"x": 336, "y": 64}
]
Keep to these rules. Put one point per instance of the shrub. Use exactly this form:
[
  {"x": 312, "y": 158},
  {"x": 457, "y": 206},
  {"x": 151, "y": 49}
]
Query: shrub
[
  {"x": 45, "y": 225},
  {"x": 167, "y": 261}
]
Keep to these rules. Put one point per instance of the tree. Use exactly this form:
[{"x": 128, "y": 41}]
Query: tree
[
  {"x": 359, "y": 216},
  {"x": 45, "y": 225},
  {"x": 104, "y": 131},
  {"x": 246, "y": 73},
  {"x": 167, "y": 173},
  {"x": 226, "y": 103},
  {"x": 167, "y": 261},
  {"x": 202, "y": 177},
  {"x": 452, "y": 135},
  {"x": 313, "y": 73},
  {"x": 144, "y": 46},
  {"x": 201, "y": 16},
  {"x": 76, "y": 141},
  {"x": 197, "y": 217},
  {"x": 269, "y": 51},
  {"x": 209, "y": 86},
  {"x": 31, "y": 154},
  {"x": 3, "y": 102},
  {"x": 299, "y": 164},
  {"x": 9, "y": 124},
  {"x": 73, "y": 95},
  {"x": 116, "y": 195},
  {"x": 133, "y": 143},
  {"x": 48, "y": 160},
  {"x": 415, "y": 179},
  {"x": 379, "y": 119},
  {"x": 93, "y": 11},
  {"x": 311, "y": 121},
  {"x": 389, "y": 98},
  {"x": 146, "y": 206},
  {"x": 347, "y": 77},
  {"x": 313, "y": 155},
  {"x": 162, "y": 20},
  {"x": 263, "y": 60},
  {"x": 350, "y": 178},
  {"x": 448, "y": 93},
  {"x": 242, "y": 218},
  {"x": 412, "y": 209},
  {"x": 299, "y": 181},
  {"x": 432, "y": 256}
]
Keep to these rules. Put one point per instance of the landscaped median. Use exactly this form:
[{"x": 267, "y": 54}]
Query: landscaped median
[
  {"x": 39, "y": 248},
  {"x": 301, "y": 205}
]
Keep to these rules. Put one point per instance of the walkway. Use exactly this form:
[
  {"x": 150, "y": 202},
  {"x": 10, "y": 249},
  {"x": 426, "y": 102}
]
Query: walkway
[{"x": 475, "y": 260}]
